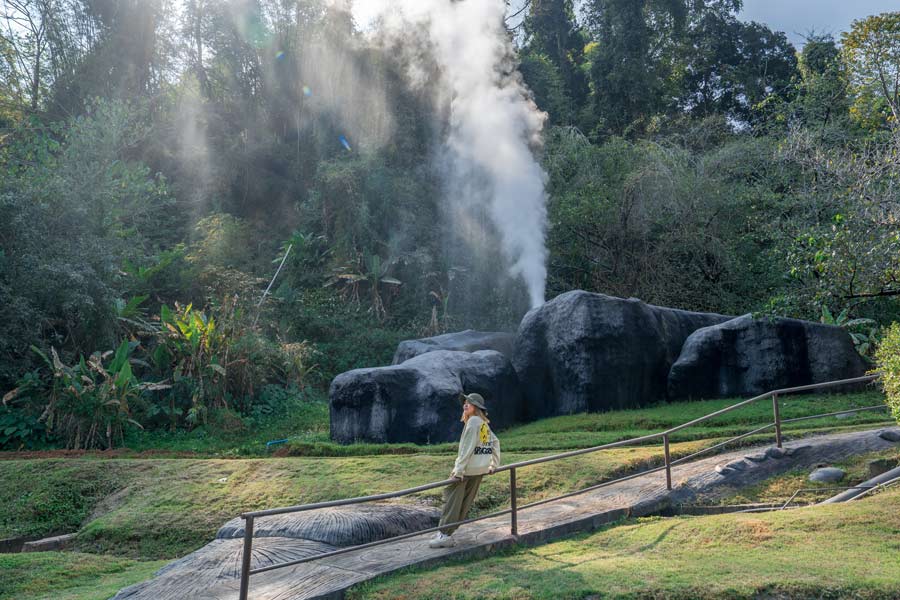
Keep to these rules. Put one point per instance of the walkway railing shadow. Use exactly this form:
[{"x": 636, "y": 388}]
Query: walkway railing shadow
[{"x": 514, "y": 508}]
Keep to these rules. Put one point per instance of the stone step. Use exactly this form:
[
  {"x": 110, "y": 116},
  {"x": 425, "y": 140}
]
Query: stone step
[{"x": 59, "y": 542}]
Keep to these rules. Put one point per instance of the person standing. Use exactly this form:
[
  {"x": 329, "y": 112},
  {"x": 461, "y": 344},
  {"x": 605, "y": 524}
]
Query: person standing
[{"x": 479, "y": 454}]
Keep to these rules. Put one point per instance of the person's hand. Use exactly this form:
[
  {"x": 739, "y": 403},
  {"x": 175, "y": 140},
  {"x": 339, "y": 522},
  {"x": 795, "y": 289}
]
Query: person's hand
[
  {"x": 455, "y": 476},
  {"x": 490, "y": 470}
]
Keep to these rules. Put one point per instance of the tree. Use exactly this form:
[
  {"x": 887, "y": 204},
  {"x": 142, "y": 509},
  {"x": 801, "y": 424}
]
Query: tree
[
  {"x": 727, "y": 66},
  {"x": 632, "y": 64},
  {"x": 872, "y": 51},
  {"x": 551, "y": 32},
  {"x": 823, "y": 84},
  {"x": 843, "y": 246}
]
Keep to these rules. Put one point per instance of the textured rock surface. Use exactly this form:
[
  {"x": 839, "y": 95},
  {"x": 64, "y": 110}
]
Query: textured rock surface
[
  {"x": 590, "y": 352},
  {"x": 340, "y": 526},
  {"x": 418, "y": 401},
  {"x": 827, "y": 475},
  {"x": 463, "y": 341},
  {"x": 891, "y": 435},
  {"x": 747, "y": 356}
]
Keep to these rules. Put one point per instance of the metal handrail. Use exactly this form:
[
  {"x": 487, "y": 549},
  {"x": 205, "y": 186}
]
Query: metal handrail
[{"x": 249, "y": 517}]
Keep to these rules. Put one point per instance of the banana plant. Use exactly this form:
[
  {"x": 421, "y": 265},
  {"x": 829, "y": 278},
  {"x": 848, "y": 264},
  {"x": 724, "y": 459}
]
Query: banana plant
[{"x": 864, "y": 341}]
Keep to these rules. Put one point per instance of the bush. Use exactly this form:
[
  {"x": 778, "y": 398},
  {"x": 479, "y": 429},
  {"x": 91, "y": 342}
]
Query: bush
[
  {"x": 86, "y": 406},
  {"x": 888, "y": 358}
]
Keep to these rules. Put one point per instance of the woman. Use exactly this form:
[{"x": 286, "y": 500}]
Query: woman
[{"x": 479, "y": 453}]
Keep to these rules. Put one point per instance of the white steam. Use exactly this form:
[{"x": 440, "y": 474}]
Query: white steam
[{"x": 494, "y": 126}]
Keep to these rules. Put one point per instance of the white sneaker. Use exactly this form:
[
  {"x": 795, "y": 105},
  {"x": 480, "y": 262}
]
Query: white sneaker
[{"x": 441, "y": 541}]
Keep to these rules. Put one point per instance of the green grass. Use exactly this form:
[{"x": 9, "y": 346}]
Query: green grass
[
  {"x": 781, "y": 488},
  {"x": 594, "y": 429},
  {"x": 836, "y": 551},
  {"x": 163, "y": 508},
  {"x": 69, "y": 575}
]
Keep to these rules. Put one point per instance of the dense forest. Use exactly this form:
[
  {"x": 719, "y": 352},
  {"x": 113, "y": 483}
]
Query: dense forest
[{"x": 160, "y": 160}]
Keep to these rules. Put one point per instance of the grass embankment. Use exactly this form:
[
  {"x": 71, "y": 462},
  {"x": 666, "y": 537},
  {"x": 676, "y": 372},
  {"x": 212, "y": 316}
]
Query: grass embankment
[
  {"x": 163, "y": 508},
  {"x": 153, "y": 508},
  {"x": 166, "y": 508},
  {"x": 69, "y": 575},
  {"x": 836, "y": 551}
]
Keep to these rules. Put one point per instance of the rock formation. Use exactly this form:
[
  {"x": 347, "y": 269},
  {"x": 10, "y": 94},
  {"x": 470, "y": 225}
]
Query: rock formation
[
  {"x": 589, "y": 352},
  {"x": 418, "y": 401},
  {"x": 747, "y": 356},
  {"x": 463, "y": 341}
]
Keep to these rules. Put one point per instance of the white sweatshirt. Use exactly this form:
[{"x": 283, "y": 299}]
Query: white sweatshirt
[{"x": 479, "y": 449}]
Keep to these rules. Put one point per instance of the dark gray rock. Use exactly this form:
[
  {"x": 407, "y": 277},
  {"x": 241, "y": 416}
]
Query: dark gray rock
[
  {"x": 797, "y": 450},
  {"x": 775, "y": 452},
  {"x": 216, "y": 563},
  {"x": 590, "y": 352},
  {"x": 57, "y": 542},
  {"x": 418, "y": 401},
  {"x": 827, "y": 475},
  {"x": 462, "y": 341},
  {"x": 891, "y": 435},
  {"x": 747, "y": 356},
  {"x": 340, "y": 526}
]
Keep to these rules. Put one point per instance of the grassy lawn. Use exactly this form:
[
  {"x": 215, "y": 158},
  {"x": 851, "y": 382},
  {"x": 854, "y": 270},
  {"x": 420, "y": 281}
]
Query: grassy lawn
[
  {"x": 135, "y": 507},
  {"x": 838, "y": 551},
  {"x": 69, "y": 575},
  {"x": 164, "y": 508},
  {"x": 782, "y": 487}
]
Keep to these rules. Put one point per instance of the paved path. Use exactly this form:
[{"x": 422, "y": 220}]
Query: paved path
[{"x": 212, "y": 572}]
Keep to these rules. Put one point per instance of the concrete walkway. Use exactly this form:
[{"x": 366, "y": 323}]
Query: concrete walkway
[{"x": 212, "y": 572}]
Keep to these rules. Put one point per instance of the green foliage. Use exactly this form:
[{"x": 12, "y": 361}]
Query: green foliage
[
  {"x": 344, "y": 336},
  {"x": 659, "y": 222},
  {"x": 863, "y": 332},
  {"x": 840, "y": 248},
  {"x": 86, "y": 405},
  {"x": 216, "y": 360},
  {"x": 19, "y": 429},
  {"x": 887, "y": 357},
  {"x": 872, "y": 51},
  {"x": 72, "y": 207}
]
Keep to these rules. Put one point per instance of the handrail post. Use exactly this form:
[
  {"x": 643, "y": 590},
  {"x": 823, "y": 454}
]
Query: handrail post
[
  {"x": 245, "y": 559},
  {"x": 668, "y": 461},
  {"x": 777, "y": 419},
  {"x": 513, "y": 517}
]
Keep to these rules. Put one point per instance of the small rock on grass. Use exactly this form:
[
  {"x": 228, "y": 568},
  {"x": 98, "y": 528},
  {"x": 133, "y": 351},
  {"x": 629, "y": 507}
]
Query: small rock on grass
[
  {"x": 774, "y": 452},
  {"x": 827, "y": 475},
  {"x": 891, "y": 435}
]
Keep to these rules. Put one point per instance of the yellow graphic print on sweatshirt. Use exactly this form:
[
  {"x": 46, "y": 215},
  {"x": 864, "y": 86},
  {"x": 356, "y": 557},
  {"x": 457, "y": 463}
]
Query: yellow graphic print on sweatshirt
[{"x": 484, "y": 433}]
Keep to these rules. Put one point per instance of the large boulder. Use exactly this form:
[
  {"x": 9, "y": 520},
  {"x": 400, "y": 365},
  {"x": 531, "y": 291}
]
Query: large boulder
[
  {"x": 463, "y": 341},
  {"x": 747, "y": 356},
  {"x": 590, "y": 352},
  {"x": 340, "y": 526},
  {"x": 418, "y": 401}
]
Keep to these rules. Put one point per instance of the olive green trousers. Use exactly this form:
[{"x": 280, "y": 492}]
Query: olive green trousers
[{"x": 458, "y": 498}]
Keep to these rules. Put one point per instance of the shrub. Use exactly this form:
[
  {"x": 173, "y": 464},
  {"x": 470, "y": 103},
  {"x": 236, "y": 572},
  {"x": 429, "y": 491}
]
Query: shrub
[
  {"x": 888, "y": 358},
  {"x": 86, "y": 405},
  {"x": 217, "y": 360}
]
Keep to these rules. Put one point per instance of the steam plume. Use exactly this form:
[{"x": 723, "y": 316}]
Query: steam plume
[{"x": 494, "y": 126}]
